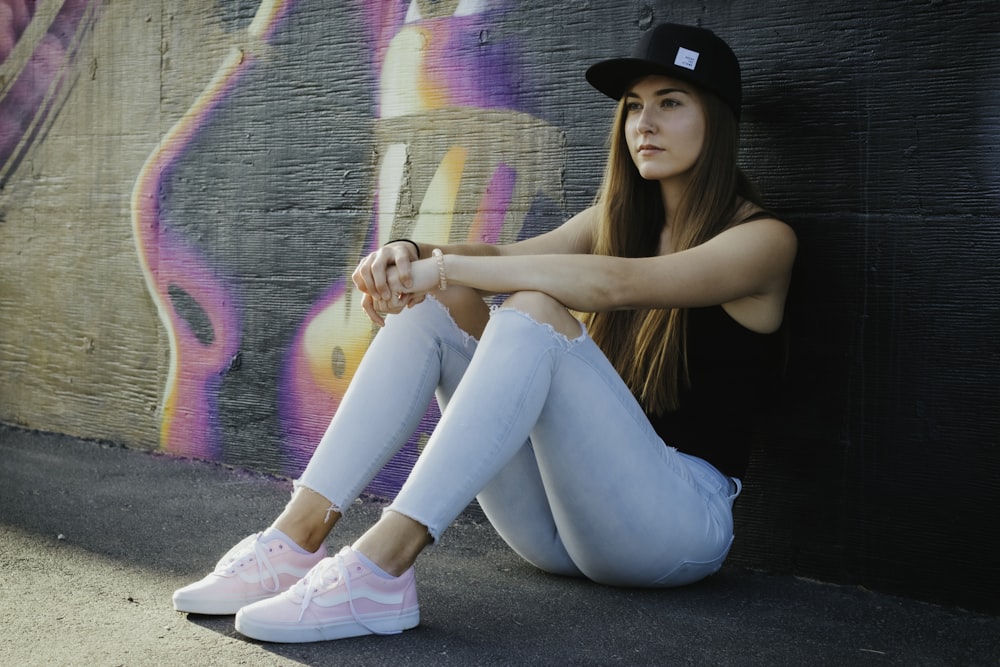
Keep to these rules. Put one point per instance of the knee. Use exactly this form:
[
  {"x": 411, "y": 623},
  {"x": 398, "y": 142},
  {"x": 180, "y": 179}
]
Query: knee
[
  {"x": 466, "y": 307},
  {"x": 543, "y": 308}
]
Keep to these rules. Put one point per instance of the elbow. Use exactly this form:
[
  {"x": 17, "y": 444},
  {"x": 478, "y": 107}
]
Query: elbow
[
  {"x": 614, "y": 291},
  {"x": 632, "y": 284},
  {"x": 609, "y": 299}
]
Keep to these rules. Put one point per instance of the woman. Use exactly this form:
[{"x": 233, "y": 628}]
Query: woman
[{"x": 609, "y": 446}]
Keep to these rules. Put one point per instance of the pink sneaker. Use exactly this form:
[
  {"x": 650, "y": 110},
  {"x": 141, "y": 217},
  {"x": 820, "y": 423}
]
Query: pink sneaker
[
  {"x": 252, "y": 570},
  {"x": 340, "y": 597}
]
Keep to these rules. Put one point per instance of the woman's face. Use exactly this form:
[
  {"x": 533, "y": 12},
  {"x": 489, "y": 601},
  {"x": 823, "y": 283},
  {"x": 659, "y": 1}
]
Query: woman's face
[{"x": 664, "y": 126}]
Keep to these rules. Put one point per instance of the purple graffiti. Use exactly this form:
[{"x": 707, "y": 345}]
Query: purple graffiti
[
  {"x": 450, "y": 118},
  {"x": 177, "y": 271},
  {"x": 31, "y": 98},
  {"x": 453, "y": 71}
]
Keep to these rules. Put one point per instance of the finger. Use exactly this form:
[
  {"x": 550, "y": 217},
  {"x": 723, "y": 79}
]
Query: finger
[
  {"x": 368, "y": 303},
  {"x": 395, "y": 282},
  {"x": 404, "y": 272},
  {"x": 379, "y": 281},
  {"x": 357, "y": 279},
  {"x": 362, "y": 275},
  {"x": 396, "y": 304}
]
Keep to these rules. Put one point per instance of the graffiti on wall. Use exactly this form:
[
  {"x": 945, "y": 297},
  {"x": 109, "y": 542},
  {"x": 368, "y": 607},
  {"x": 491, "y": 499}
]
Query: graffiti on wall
[
  {"x": 456, "y": 157},
  {"x": 38, "y": 40}
]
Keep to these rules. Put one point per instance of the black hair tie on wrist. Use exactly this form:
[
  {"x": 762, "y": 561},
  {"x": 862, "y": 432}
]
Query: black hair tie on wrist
[{"x": 413, "y": 243}]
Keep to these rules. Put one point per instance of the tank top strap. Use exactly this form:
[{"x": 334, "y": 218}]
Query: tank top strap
[{"x": 759, "y": 215}]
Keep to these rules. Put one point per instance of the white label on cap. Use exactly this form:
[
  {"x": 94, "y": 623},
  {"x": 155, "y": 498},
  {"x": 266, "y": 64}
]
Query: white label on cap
[{"x": 686, "y": 58}]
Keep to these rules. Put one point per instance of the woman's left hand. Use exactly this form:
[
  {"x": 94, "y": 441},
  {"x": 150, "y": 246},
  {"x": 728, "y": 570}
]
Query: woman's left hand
[
  {"x": 423, "y": 278},
  {"x": 376, "y": 307}
]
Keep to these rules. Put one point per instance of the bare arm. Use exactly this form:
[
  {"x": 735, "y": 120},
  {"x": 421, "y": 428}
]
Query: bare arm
[
  {"x": 572, "y": 237},
  {"x": 380, "y": 285},
  {"x": 746, "y": 265}
]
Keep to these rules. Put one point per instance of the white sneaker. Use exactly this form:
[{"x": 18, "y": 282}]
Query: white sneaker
[{"x": 253, "y": 570}]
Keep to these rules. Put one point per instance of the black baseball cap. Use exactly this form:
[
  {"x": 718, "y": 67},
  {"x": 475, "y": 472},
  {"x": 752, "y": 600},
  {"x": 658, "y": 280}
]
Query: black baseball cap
[{"x": 680, "y": 51}]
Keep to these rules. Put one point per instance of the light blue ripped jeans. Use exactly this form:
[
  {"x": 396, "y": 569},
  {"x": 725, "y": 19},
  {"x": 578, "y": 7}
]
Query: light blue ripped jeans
[{"x": 593, "y": 492}]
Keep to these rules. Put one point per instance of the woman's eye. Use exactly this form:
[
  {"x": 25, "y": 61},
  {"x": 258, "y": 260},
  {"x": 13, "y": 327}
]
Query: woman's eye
[
  {"x": 669, "y": 103},
  {"x": 632, "y": 106}
]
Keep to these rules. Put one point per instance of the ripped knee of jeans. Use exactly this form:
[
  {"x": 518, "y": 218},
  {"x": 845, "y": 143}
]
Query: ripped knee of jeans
[
  {"x": 560, "y": 337},
  {"x": 466, "y": 336}
]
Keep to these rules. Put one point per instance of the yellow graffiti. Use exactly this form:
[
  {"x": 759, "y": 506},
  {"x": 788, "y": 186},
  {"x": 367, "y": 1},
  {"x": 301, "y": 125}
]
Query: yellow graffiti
[{"x": 435, "y": 165}]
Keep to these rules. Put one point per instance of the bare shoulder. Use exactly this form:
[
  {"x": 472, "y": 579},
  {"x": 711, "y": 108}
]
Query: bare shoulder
[
  {"x": 777, "y": 231},
  {"x": 766, "y": 234}
]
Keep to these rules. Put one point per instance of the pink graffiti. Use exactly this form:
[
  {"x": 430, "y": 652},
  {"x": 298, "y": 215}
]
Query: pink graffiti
[
  {"x": 172, "y": 265},
  {"x": 14, "y": 18},
  {"x": 488, "y": 223},
  {"x": 39, "y": 87}
]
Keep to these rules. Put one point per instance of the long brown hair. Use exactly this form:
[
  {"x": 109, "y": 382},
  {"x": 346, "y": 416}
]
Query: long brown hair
[{"x": 648, "y": 347}]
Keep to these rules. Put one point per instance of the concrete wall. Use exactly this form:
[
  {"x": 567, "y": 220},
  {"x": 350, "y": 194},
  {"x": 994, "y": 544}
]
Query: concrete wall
[{"x": 187, "y": 185}]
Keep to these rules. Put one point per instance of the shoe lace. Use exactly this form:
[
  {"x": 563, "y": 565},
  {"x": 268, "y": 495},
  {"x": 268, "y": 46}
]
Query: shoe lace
[
  {"x": 316, "y": 580},
  {"x": 251, "y": 550}
]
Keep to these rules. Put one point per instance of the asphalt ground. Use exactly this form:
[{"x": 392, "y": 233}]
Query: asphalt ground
[{"x": 94, "y": 538}]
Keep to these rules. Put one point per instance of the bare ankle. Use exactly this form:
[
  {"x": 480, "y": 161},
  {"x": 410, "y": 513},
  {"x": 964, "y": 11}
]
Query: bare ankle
[
  {"x": 394, "y": 542},
  {"x": 308, "y": 518}
]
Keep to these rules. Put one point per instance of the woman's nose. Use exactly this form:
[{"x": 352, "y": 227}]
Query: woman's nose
[{"x": 645, "y": 123}]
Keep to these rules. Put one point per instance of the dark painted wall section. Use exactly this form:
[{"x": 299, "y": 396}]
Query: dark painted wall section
[{"x": 873, "y": 129}]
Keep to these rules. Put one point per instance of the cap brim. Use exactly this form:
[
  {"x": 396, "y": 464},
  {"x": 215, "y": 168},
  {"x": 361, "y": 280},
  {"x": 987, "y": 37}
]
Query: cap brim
[{"x": 613, "y": 77}]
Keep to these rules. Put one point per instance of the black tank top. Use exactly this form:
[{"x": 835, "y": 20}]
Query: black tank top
[{"x": 734, "y": 373}]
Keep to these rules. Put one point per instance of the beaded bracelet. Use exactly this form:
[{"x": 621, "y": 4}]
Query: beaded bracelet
[
  {"x": 413, "y": 243},
  {"x": 442, "y": 277}
]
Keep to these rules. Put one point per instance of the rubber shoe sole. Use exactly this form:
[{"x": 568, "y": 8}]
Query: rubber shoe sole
[{"x": 299, "y": 633}]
